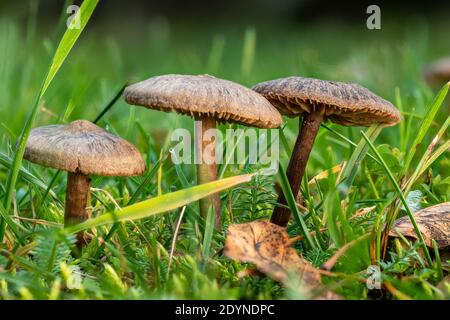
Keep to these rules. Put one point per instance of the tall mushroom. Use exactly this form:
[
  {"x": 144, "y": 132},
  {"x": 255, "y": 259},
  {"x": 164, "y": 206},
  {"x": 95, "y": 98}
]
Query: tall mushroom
[
  {"x": 317, "y": 101},
  {"x": 82, "y": 149},
  {"x": 208, "y": 100}
]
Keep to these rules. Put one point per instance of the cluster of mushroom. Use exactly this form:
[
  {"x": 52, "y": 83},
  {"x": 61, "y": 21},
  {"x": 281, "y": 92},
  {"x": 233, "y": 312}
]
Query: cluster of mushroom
[
  {"x": 83, "y": 149},
  {"x": 209, "y": 100}
]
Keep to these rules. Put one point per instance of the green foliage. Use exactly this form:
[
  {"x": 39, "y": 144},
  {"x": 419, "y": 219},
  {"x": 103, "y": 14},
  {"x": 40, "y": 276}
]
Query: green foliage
[
  {"x": 67, "y": 42},
  {"x": 254, "y": 200},
  {"x": 391, "y": 157},
  {"x": 51, "y": 250}
]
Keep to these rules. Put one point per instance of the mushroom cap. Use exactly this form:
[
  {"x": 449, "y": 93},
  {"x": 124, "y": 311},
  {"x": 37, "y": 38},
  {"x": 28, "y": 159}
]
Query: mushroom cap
[
  {"x": 347, "y": 104},
  {"x": 204, "y": 96},
  {"x": 433, "y": 223},
  {"x": 438, "y": 72},
  {"x": 85, "y": 148}
]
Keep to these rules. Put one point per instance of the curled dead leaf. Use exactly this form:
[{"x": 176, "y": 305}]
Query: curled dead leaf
[
  {"x": 268, "y": 246},
  {"x": 433, "y": 223}
]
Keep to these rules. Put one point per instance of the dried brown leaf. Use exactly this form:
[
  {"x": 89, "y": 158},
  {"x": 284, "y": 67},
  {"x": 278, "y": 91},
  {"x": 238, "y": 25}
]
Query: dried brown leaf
[
  {"x": 433, "y": 223},
  {"x": 268, "y": 246}
]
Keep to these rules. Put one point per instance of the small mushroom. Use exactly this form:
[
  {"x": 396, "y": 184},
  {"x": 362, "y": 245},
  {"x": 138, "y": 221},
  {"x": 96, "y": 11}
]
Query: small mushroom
[
  {"x": 433, "y": 223},
  {"x": 82, "y": 149},
  {"x": 438, "y": 72},
  {"x": 208, "y": 100},
  {"x": 317, "y": 101}
]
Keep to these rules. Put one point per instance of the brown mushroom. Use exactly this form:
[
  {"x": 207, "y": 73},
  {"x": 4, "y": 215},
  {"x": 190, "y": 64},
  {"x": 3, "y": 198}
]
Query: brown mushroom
[
  {"x": 208, "y": 100},
  {"x": 317, "y": 101},
  {"x": 438, "y": 72},
  {"x": 82, "y": 149},
  {"x": 433, "y": 223}
]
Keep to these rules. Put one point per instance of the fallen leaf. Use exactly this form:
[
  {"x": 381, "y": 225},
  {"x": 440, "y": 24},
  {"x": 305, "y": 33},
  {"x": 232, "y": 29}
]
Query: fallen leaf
[
  {"x": 433, "y": 223},
  {"x": 268, "y": 246}
]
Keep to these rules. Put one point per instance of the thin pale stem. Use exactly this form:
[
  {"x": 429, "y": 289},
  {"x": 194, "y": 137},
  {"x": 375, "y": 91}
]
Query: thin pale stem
[{"x": 207, "y": 167}]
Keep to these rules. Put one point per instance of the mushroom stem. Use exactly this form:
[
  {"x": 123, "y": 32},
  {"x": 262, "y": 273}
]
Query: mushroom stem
[
  {"x": 207, "y": 172},
  {"x": 77, "y": 194},
  {"x": 309, "y": 127}
]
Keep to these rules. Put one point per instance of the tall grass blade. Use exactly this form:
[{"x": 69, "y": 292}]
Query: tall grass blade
[
  {"x": 148, "y": 178},
  {"x": 287, "y": 191},
  {"x": 163, "y": 203},
  {"x": 230, "y": 154},
  {"x": 67, "y": 42},
  {"x": 207, "y": 236},
  {"x": 11, "y": 224},
  {"x": 429, "y": 157},
  {"x": 351, "y": 166},
  {"x": 111, "y": 103},
  {"x": 341, "y": 136},
  {"x": 26, "y": 175},
  {"x": 426, "y": 123},
  {"x": 402, "y": 198},
  {"x": 284, "y": 142}
]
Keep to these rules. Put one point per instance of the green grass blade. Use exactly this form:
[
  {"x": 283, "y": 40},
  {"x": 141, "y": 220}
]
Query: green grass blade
[
  {"x": 352, "y": 165},
  {"x": 207, "y": 236},
  {"x": 344, "y": 138},
  {"x": 429, "y": 157},
  {"x": 69, "y": 110},
  {"x": 426, "y": 123},
  {"x": 111, "y": 103},
  {"x": 402, "y": 124},
  {"x": 48, "y": 190},
  {"x": 287, "y": 191},
  {"x": 284, "y": 142},
  {"x": 26, "y": 175},
  {"x": 17, "y": 162},
  {"x": 9, "y": 221},
  {"x": 184, "y": 182},
  {"x": 148, "y": 178},
  {"x": 229, "y": 159},
  {"x": 402, "y": 197},
  {"x": 163, "y": 203},
  {"x": 439, "y": 151},
  {"x": 437, "y": 255},
  {"x": 68, "y": 40}
]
